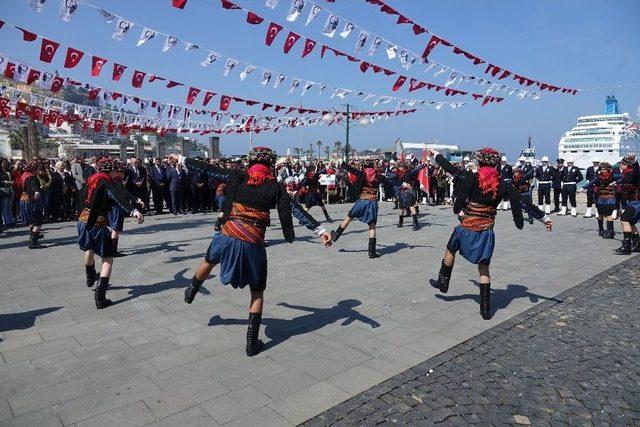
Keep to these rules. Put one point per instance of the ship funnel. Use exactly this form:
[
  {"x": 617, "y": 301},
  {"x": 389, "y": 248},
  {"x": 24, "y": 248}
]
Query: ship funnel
[{"x": 611, "y": 105}]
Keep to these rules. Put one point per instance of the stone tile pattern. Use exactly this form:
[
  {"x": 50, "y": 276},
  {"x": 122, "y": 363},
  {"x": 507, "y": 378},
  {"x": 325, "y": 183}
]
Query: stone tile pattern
[{"x": 573, "y": 362}]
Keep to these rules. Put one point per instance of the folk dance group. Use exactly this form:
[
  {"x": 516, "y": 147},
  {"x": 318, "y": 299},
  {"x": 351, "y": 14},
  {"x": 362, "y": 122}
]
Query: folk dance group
[{"x": 250, "y": 194}]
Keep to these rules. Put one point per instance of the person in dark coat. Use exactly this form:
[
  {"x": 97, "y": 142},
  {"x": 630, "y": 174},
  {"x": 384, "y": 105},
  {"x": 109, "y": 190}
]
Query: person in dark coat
[
  {"x": 136, "y": 180},
  {"x": 176, "y": 177},
  {"x": 158, "y": 179}
]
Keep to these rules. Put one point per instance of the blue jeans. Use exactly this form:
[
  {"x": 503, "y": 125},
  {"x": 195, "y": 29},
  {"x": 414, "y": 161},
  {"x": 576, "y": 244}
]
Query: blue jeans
[{"x": 5, "y": 210}]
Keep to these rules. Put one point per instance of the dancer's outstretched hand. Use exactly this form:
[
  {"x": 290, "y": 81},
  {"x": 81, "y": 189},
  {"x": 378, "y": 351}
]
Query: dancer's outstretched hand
[
  {"x": 326, "y": 239},
  {"x": 138, "y": 216},
  {"x": 549, "y": 225}
]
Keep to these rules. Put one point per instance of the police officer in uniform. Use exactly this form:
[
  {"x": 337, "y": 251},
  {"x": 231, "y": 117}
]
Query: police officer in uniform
[
  {"x": 592, "y": 173},
  {"x": 506, "y": 173},
  {"x": 557, "y": 184},
  {"x": 570, "y": 178},
  {"x": 544, "y": 174}
]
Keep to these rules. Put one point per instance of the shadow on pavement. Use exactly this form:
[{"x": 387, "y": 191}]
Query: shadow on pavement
[
  {"x": 24, "y": 320},
  {"x": 387, "y": 250},
  {"x": 280, "y": 330},
  {"x": 179, "y": 281},
  {"x": 500, "y": 298}
]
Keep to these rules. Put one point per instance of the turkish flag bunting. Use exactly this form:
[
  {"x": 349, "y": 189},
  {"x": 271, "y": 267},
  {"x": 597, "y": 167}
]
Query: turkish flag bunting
[
  {"x": 93, "y": 93},
  {"x": 115, "y": 95},
  {"x": 60, "y": 120},
  {"x": 97, "y": 125},
  {"x": 33, "y": 76},
  {"x": 388, "y": 72},
  {"x": 272, "y": 32},
  {"x": 309, "y": 45},
  {"x": 364, "y": 66},
  {"x": 138, "y": 78},
  {"x": 57, "y": 84},
  {"x": 118, "y": 71},
  {"x": 192, "y": 95},
  {"x": 403, "y": 20},
  {"x": 173, "y": 84},
  {"x": 21, "y": 109},
  {"x": 225, "y": 101},
  {"x": 292, "y": 38},
  {"x": 96, "y": 65},
  {"x": 399, "y": 83},
  {"x": 254, "y": 19},
  {"x": 153, "y": 78},
  {"x": 388, "y": 10},
  {"x": 417, "y": 29},
  {"x": 36, "y": 113},
  {"x": 415, "y": 85},
  {"x": 111, "y": 128},
  {"x": 324, "y": 50},
  {"x": 48, "y": 50},
  {"x": 207, "y": 98},
  {"x": 73, "y": 57},
  {"x": 180, "y": 4},
  {"x": 266, "y": 106},
  {"x": 226, "y": 4},
  {"x": 433, "y": 42},
  {"x": 486, "y": 100},
  {"x": 9, "y": 70},
  {"x": 27, "y": 36},
  {"x": 279, "y": 107},
  {"x": 504, "y": 74}
]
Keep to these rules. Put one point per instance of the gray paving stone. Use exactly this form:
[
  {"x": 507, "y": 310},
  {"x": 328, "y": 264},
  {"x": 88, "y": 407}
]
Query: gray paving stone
[
  {"x": 302, "y": 405},
  {"x": 192, "y": 417},
  {"x": 356, "y": 379},
  {"x": 135, "y": 413},
  {"x": 263, "y": 417},
  {"x": 283, "y": 384},
  {"x": 45, "y": 417},
  {"x": 49, "y": 396},
  {"x": 38, "y": 350},
  {"x": 168, "y": 403},
  {"x": 235, "y": 404},
  {"x": 174, "y": 358},
  {"x": 20, "y": 341},
  {"x": 147, "y": 350}
]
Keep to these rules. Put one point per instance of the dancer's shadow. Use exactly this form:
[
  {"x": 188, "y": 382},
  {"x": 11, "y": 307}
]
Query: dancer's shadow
[
  {"x": 280, "y": 330},
  {"x": 165, "y": 247},
  {"x": 179, "y": 281},
  {"x": 500, "y": 298},
  {"x": 388, "y": 250},
  {"x": 24, "y": 320},
  {"x": 306, "y": 238}
]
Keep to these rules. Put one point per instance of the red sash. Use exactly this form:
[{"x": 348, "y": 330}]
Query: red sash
[{"x": 246, "y": 224}]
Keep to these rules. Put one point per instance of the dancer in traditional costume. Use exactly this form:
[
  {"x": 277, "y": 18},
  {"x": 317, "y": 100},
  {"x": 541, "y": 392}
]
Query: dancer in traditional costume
[
  {"x": 367, "y": 183},
  {"x": 520, "y": 181},
  {"x": 31, "y": 201},
  {"x": 94, "y": 236},
  {"x": 631, "y": 214},
  {"x": 116, "y": 213},
  {"x": 407, "y": 201},
  {"x": 479, "y": 195},
  {"x": 239, "y": 248},
  {"x": 311, "y": 193},
  {"x": 604, "y": 193}
]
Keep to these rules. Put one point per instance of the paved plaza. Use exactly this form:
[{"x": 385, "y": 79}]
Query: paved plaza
[{"x": 336, "y": 323}]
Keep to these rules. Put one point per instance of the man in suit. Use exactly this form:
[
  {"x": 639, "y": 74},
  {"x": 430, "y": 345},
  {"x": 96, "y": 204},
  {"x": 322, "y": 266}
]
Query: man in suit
[
  {"x": 176, "y": 177},
  {"x": 592, "y": 172},
  {"x": 197, "y": 187},
  {"x": 136, "y": 180},
  {"x": 506, "y": 173},
  {"x": 158, "y": 177}
]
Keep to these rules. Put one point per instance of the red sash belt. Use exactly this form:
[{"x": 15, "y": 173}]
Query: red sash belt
[
  {"x": 478, "y": 217},
  {"x": 101, "y": 221},
  {"x": 246, "y": 224},
  {"x": 369, "y": 193}
]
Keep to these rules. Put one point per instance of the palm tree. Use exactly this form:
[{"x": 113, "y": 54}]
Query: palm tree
[
  {"x": 298, "y": 152},
  {"x": 337, "y": 148},
  {"x": 310, "y": 153},
  {"x": 327, "y": 151},
  {"x": 319, "y": 144},
  {"x": 27, "y": 138}
]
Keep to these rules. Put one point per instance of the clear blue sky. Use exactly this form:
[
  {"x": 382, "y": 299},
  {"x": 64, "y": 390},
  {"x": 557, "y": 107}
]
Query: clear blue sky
[{"x": 574, "y": 43}]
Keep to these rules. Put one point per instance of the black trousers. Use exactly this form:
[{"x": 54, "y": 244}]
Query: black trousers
[
  {"x": 590, "y": 197},
  {"x": 158, "y": 196},
  {"x": 569, "y": 193},
  {"x": 544, "y": 194},
  {"x": 557, "y": 193},
  {"x": 177, "y": 201}
]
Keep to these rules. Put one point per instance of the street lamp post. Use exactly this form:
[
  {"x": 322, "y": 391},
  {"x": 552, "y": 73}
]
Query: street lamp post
[
  {"x": 364, "y": 121},
  {"x": 346, "y": 145}
]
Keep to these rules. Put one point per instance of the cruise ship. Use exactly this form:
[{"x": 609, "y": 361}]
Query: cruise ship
[{"x": 606, "y": 137}]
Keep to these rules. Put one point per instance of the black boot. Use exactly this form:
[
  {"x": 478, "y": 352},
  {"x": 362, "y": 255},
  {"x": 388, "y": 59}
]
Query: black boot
[
  {"x": 610, "y": 233},
  {"x": 218, "y": 226},
  {"x": 33, "y": 240},
  {"x": 92, "y": 276},
  {"x": 114, "y": 245},
  {"x": 485, "y": 300},
  {"x": 395, "y": 205},
  {"x": 372, "y": 248},
  {"x": 443, "y": 278},
  {"x": 335, "y": 235},
  {"x": 101, "y": 292},
  {"x": 416, "y": 226},
  {"x": 635, "y": 243},
  {"x": 254, "y": 345},
  {"x": 600, "y": 228},
  {"x": 192, "y": 290},
  {"x": 400, "y": 221},
  {"x": 625, "y": 249}
]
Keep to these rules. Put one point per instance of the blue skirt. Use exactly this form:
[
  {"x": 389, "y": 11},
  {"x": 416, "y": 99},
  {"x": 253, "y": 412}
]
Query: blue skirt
[
  {"x": 365, "y": 211},
  {"x": 631, "y": 213},
  {"x": 241, "y": 263},
  {"x": 96, "y": 239},
  {"x": 115, "y": 216},
  {"x": 475, "y": 246},
  {"x": 31, "y": 212},
  {"x": 605, "y": 207},
  {"x": 407, "y": 198},
  {"x": 220, "y": 201}
]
